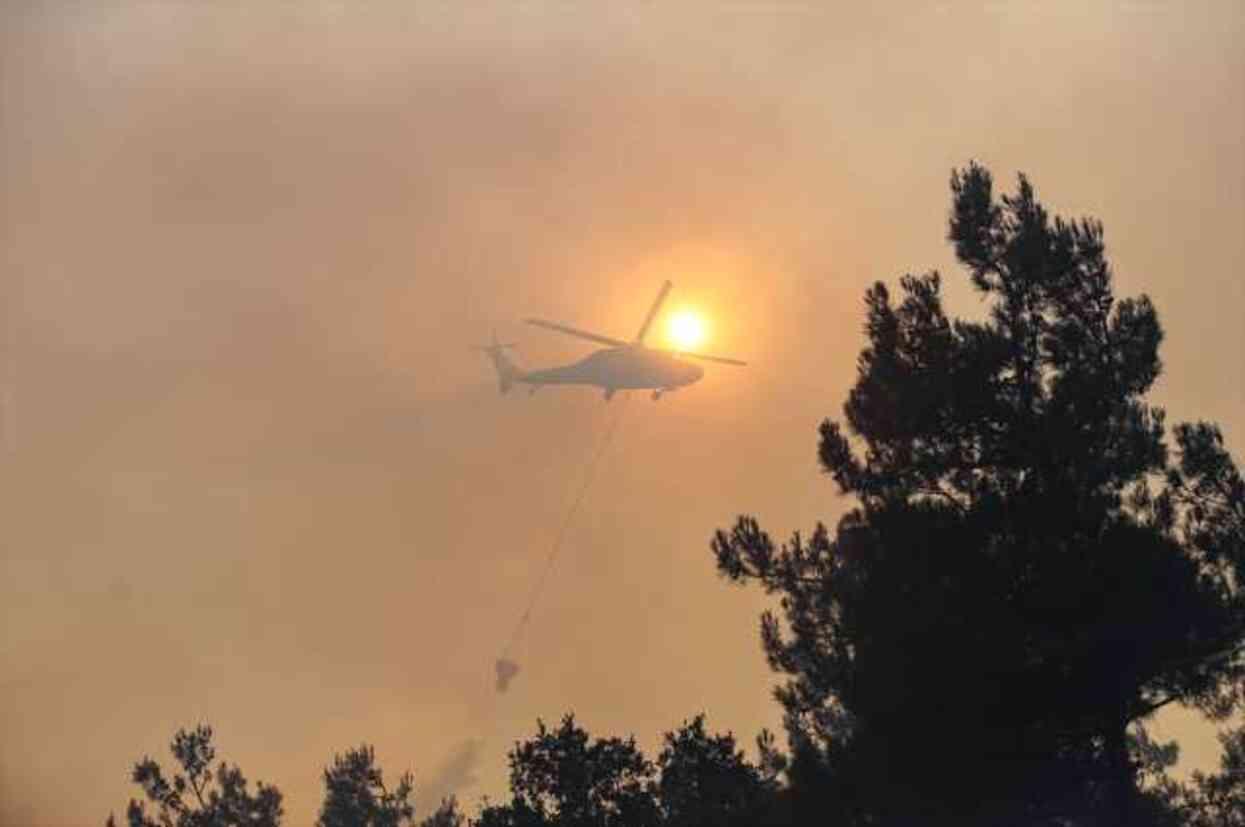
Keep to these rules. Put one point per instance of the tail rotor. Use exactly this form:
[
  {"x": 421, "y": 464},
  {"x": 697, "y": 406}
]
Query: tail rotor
[
  {"x": 496, "y": 346},
  {"x": 507, "y": 371}
]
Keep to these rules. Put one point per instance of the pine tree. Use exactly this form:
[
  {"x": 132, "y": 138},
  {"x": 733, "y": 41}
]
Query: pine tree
[{"x": 1029, "y": 569}]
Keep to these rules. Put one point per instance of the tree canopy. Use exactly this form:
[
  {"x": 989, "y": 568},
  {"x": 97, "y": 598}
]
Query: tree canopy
[
  {"x": 196, "y": 796},
  {"x": 355, "y": 794},
  {"x": 565, "y": 777},
  {"x": 1029, "y": 568}
]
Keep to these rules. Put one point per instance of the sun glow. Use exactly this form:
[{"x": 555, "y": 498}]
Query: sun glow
[{"x": 686, "y": 330}]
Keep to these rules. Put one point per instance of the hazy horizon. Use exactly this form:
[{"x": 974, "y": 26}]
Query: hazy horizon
[{"x": 253, "y": 472}]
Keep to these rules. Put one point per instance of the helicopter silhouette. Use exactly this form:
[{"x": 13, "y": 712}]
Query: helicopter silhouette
[{"x": 620, "y": 366}]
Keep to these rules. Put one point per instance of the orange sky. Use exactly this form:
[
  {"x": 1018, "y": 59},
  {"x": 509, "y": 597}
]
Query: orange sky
[{"x": 252, "y": 472}]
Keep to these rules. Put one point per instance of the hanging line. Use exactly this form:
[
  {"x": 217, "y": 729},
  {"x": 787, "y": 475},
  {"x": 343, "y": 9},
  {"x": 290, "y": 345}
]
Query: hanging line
[{"x": 589, "y": 474}]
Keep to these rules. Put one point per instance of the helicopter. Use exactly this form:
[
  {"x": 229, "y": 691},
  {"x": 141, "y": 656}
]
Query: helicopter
[{"x": 620, "y": 366}]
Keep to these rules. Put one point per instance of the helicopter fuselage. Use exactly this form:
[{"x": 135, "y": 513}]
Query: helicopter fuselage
[{"x": 620, "y": 368}]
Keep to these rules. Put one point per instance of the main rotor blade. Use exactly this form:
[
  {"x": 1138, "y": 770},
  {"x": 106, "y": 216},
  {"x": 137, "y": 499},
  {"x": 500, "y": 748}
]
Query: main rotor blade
[
  {"x": 582, "y": 334},
  {"x": 707, "y": 358},
  {"x": 652, "y": 313}
]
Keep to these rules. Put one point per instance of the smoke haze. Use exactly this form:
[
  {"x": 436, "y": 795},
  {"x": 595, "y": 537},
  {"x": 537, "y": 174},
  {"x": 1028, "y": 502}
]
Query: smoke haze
[{"x": 253, "y": 473}]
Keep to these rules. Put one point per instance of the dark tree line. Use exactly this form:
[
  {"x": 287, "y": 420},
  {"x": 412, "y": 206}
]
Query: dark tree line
[
  {"x": 561, "y": 776},
  {"x": 1034, "y": 565}
]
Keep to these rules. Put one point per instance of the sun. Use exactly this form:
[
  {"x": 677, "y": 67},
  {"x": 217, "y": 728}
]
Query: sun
[{"x": 686, "y": 330}]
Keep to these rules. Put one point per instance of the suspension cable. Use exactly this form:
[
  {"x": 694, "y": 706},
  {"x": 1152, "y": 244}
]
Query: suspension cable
[{"x": 560, "y": 537}]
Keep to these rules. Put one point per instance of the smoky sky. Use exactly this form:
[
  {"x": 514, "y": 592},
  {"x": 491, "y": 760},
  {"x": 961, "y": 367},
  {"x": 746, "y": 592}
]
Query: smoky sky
[{"x": 255, "y": 475}]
